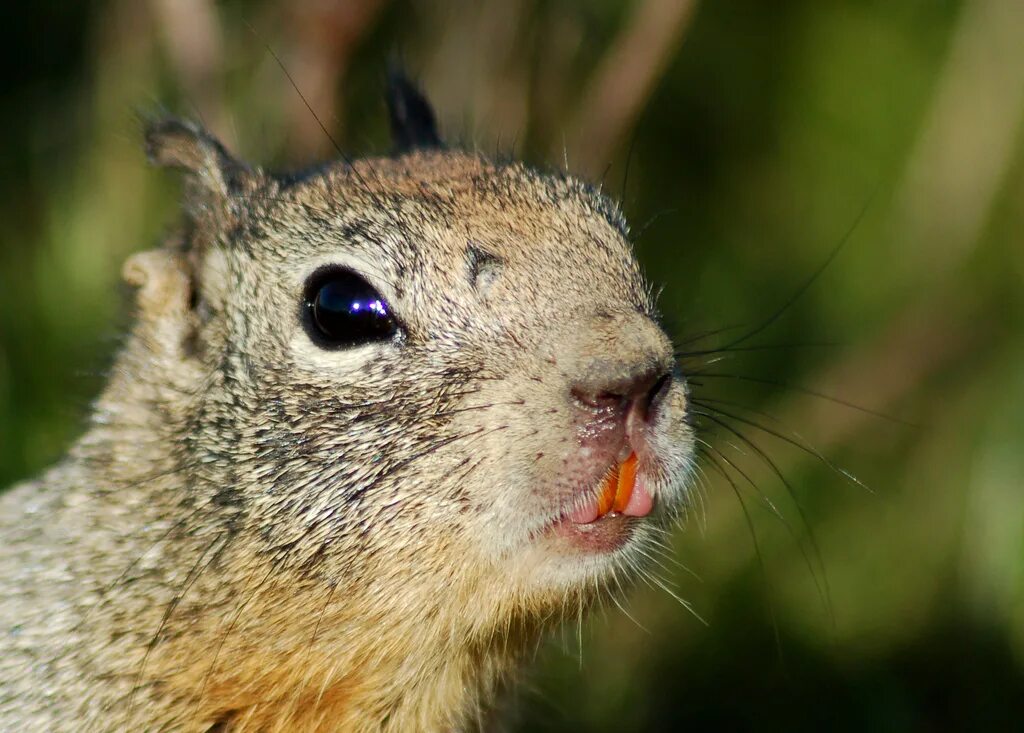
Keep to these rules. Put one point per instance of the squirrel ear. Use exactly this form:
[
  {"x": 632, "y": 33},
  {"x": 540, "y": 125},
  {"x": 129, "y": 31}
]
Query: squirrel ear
[
  {"x": 413, "y": 124},
  {"x": 181, "y": 144}
]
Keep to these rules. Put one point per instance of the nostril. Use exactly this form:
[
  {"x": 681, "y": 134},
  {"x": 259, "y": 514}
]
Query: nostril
[
  {"x": 651, "y": 401},
  {"x": 643, "y": 392},
  {"x": 600, "y": 400}
]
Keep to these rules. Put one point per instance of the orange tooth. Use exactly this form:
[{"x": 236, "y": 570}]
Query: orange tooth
[
  {"x": 626, "y": 477},
  {"x": 608, "y": 489}
]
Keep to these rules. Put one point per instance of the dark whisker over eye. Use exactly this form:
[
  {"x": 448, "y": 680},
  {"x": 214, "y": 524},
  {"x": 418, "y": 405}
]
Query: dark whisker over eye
[{"x": 342, "y": 310}]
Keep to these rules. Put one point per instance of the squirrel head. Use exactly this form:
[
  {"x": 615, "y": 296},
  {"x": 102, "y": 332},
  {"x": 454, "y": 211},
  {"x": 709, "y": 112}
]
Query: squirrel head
[{"x": 429, "y": 379}]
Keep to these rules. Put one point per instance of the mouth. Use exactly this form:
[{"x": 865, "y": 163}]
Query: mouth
[
  {"x": 605, "y": 521},
  {"x": 621, "y": 493}
]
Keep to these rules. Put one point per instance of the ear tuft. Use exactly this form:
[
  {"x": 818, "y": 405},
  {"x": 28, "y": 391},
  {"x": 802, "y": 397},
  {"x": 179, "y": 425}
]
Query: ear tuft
[
  {"x": 413, "y": 124},
  {"x": 181, "y": 144}
]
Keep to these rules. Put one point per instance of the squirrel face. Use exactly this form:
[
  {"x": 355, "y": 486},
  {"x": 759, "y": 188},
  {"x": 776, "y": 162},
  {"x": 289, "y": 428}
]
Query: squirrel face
[
  {"x": 509, "y": 429},
  {"x": 522, "y": 369}
]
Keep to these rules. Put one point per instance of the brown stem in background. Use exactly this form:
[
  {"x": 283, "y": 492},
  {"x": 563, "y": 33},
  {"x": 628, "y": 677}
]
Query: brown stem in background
[
  {"x": 323, "y": 37},
  {"x": 922, "y": 341},
  {"x": 193, "y": 41},
  {"x": 965, "y": 150},
  {"x": 625, "y": 79}
]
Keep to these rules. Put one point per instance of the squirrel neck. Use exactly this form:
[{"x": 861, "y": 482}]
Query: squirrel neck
[{"x": 204, "y": 630}]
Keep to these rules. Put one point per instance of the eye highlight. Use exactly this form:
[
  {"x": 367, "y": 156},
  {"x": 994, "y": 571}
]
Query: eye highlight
[{"x": 342, "y": 310}]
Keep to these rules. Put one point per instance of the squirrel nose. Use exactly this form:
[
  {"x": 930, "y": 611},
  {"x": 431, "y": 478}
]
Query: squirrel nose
[{"x": 640, "y": 391}]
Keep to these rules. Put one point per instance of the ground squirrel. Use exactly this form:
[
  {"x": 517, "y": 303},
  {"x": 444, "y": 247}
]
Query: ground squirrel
[{"x": 376, "y": 426}]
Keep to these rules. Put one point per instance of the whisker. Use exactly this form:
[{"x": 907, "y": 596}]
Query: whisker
[
  {"x": 240, "y": 606},
  {"x": 822, "y": 584},
  {"x": 758, "y": 347},
  {"x": 807, "y": 283},
  {"x": 650, "y": 578},
  {"x": 700, "y": 336},
  {"x": 663, "y": 552},
  {"x": 621, "y": 607},
  {"x": 803, "y": 446},
  {"x": 437, "y": 445},
  {"x": 349, "y": 163},
  {"x": 471, "y": 408},
  {"x": 757, "y": 548},
  {"x": 806, "y": 391},
  {"x": 131, "y": 566},
  {"x": 193, "y": 574}
]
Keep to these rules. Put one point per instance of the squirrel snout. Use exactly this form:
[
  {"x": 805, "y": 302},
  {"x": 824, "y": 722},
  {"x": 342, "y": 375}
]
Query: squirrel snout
[
  {"x": 638, "y": 392},
  {"x": 619, "y": 383},
  {"x": 620, "y": 377}
]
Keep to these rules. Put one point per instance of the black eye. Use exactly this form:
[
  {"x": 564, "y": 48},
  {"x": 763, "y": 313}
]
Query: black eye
[{"x": 344, "y": 310}]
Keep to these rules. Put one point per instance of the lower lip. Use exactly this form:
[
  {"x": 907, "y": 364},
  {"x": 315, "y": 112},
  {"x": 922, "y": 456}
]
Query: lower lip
[{"x": 604, "y": 535}]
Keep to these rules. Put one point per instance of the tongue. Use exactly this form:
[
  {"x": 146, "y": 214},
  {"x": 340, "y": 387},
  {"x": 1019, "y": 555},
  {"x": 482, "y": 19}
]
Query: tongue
[
  {"x": 640, "y": 502},
  {"x": 620, "y": 492}
]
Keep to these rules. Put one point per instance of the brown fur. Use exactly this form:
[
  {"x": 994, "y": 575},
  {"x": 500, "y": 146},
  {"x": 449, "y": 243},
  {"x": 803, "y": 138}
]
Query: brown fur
[{"x": 254, "y": 534}]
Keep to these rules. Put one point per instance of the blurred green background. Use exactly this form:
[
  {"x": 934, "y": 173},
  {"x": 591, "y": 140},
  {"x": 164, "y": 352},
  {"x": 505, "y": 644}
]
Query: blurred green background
[{"x": 756, "y": 133}]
